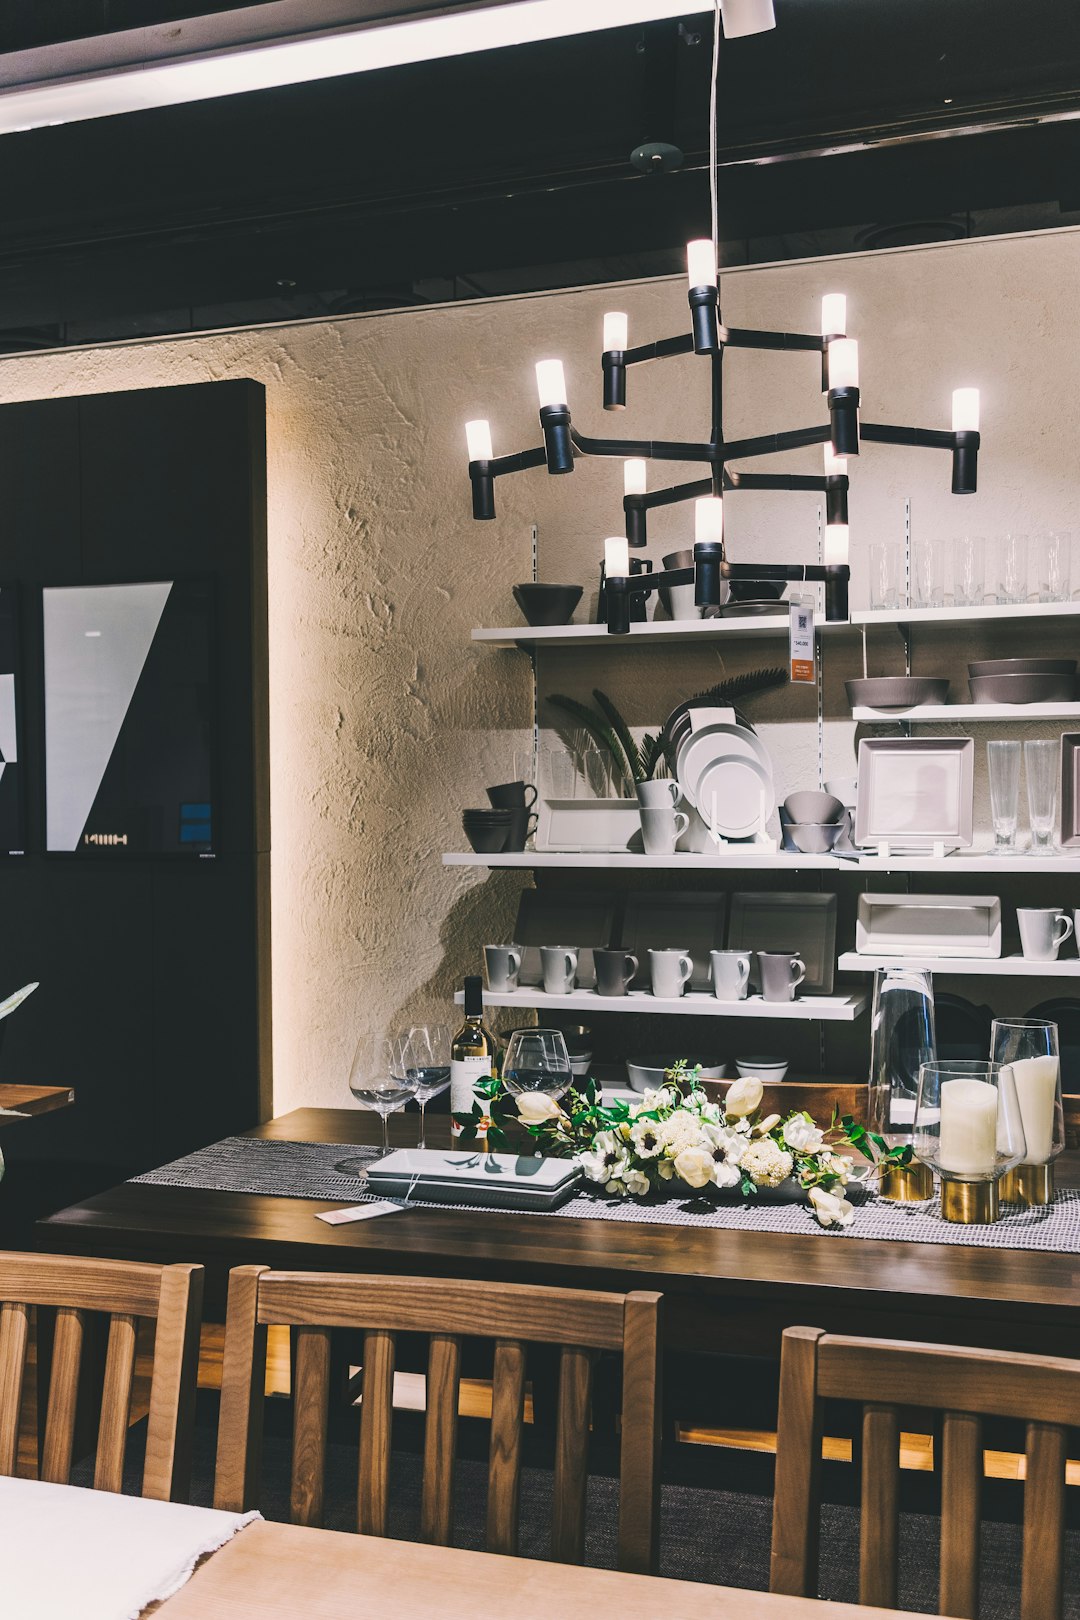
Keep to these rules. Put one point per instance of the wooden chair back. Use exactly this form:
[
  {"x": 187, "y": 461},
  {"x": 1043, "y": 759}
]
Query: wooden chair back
[
  {"x": 963, "y": 1385},
  {"x": 84, "y": 1294},
  {"x": 579, "y": 1323}
]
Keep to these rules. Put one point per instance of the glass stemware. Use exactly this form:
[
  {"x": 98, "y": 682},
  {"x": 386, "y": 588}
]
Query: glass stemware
[
  {"x": 537, "y": 1061},
  {"x": 1003, "y": 759},
  {"x": 427, "y": 1056},
  {"x": 378, "y": 1080}
]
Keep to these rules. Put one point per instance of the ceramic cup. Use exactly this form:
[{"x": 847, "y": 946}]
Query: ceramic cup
[
  {"x": 558, "y": 964},
  {"x": 671, "y": 972},
  {"x": 661, "y": 830},
  {"x": 1043, "y": 930},
  {"x": 614, "y": 972},
  {"x": 781, "y": 974},
  {"x": 522, "y": 826},
  {"x": 512, "y": 796},
  {"x": 503, "y": 966},
  {"x": 660, "y": 795},
  {"x": 730, "y": 974}
]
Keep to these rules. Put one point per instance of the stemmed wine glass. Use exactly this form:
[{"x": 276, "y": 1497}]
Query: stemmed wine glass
[
  {"x": 537, "y": 1060},
  {"x": 427, "y": 1056},
  {"x": 380, "y": 1080}
]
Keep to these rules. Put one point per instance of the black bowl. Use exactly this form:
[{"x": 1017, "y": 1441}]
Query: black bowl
[
  {"x": 488, "y": 840},
  {"x": 547, "y": 604}
]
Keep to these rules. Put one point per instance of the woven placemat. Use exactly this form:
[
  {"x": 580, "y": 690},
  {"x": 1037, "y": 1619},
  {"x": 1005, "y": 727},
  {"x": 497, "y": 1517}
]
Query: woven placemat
[{"x": 248, "y": 1164}]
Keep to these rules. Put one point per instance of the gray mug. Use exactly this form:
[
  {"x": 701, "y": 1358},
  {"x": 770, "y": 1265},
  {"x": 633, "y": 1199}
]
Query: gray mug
[
  {"x": 781, "y": 973},
  {"x": 730, "y": 974},
  {"x": 503, "y": 966},
  {"x": 559, "y": 966},
  {"x": 614, "y": 972}
]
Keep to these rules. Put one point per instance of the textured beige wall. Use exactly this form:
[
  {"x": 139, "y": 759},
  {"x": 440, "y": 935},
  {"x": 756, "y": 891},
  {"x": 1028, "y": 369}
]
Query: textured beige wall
[{"x": 384, "y": 719}]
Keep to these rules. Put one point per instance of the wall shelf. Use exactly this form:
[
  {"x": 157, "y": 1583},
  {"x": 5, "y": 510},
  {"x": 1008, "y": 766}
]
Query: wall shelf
[
  {"x": 837, "y": 1009},
  {"x": 936, "y": 714},
  {"x": 1015, "y": 967},
  {"x": 959, "y": 865},
  {"x": 654, "y": 635},
  {"x": 968, "y": 615}
]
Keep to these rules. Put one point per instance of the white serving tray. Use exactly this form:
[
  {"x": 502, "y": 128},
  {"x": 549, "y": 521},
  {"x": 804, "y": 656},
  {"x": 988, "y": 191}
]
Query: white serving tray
[
  {"x": 573, "y": 825},
  {"x": 915, "y": 792},
  {"x": 945, "y": 925},
  {"x": 470, "y": 1176}
]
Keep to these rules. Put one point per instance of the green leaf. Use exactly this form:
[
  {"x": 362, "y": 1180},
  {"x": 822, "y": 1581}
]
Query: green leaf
[
  {"x": 622, "y": 731},
  {"x": 601, "y": 733}
]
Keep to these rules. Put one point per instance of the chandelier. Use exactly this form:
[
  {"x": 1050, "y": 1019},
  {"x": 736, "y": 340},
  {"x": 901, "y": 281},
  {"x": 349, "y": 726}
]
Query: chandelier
[{"x": 626, "y": 581}]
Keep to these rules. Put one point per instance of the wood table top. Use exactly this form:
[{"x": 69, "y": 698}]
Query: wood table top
[
  {"x": 33, "y": 1100},
  {"x": 1011, "y": 1299},
  {"x": 284, "y": 1570}
]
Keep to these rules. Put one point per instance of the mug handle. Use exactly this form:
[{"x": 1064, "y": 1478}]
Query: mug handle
[
  {"x": 627, "y": 959},
  {"x": 1061, "y": 938},
  {"x": 676, "y": 792},
  {"x": 515, "y": 963},
  {"x": 686, "y": 969},
  {"x": 532, "y": 823},
  {"x": 571, "y": 964},
  {"x": 530, "y": 787},
  {"x": 744, "y": 971},
  {"x": 799, "y": 966},
  {"x": 680, "y": 815}
]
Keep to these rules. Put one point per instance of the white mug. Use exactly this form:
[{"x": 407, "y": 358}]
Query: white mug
[
  {"x": 662, "y": 829},
  {"x": 671, "y": 971},
  {"x": 1039, "y": 935},
  {"x": 559, "y": 964},
  {"x": 503, "y": 966},
  {"x": 662, "y": 794},
  {"x": 730, "y": 974}
]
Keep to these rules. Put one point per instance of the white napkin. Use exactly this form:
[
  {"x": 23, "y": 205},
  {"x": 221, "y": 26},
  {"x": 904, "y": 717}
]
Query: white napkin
[{"x": 67, "y": 1552}]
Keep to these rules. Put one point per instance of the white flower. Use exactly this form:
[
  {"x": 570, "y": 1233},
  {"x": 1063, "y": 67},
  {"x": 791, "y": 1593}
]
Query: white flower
[
  {"x": 662, "y": 1097},
  {"x": 744, "y": 1095},
  {"x": 534, "y": 1107},
  {"x": 617, "y": 1187},
  {"x": 801, "y": 1136},
  {"x": 726, "y": 1173},
  {"x": 726, "y": 1143},
  {"x": 665, "y": 1168},
  {"x": 766, "y": 1163},
  {"x": 829, "y": 1209},
  {"x": 696, "y": 1166},
  {"x": 681, "y": 1130},
  {"x": 647, "y": 1138},
  {"x": 607, "y": 1159},
  {"x": 637, "y": 1183},
  {"x": 764, "y": 1126}
]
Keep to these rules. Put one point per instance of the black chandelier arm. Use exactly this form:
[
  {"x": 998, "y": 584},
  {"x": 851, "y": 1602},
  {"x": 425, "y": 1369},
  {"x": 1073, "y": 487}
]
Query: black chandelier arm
[
  {"x": 963, "y": 443},
  {"x": 810, "y": 481},
  {"x": 767, "y": 444},
  {"x": 706, "y": 574},
  {"x": 649, "y": 449},
  {"x": 482, "y": 476},
  {"x": 741, "y": 337}
]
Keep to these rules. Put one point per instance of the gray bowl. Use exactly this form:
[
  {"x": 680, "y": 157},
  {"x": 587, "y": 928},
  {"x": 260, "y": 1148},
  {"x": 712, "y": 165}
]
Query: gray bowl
[
  {"x": 547, "y": 604},
  {"x": 814, "y": 837},
  {"x": 896, "y": 691},
  {"x": 1023, "y": 666},
  {"x": 1023, "y": 688},
  {"x": 812, "y": 809}
]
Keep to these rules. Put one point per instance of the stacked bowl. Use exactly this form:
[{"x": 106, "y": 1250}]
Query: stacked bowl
[
  {"x": 1023, "y": 680},
  {"x": 815, "y": 821},
  {"x": 487, "y": 830}
]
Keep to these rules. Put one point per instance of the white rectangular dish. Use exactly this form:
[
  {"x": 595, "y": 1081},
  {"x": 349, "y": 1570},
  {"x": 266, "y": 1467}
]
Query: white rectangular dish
[
  {"x": 929, "y": 925},
  {"x": 572, "y": 826},
  {"x": 469, "y": 1176},
  {"x": 915, "y": 792}
]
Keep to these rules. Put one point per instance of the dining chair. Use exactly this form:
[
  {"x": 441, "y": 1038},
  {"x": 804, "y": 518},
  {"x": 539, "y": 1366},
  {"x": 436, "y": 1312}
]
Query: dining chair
[
  {"x": 579, "y": 1323},
  {"x": 85, "y": 1295},
  {"x": 964, "y": 1386}
]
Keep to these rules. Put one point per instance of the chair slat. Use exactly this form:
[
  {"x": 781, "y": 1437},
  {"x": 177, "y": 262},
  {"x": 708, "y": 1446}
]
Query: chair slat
[
  {"x": 376, "y": 1433},
  {"x": 14, "y": 1334},
  {"x": 1044, "y": 1523},
  {"x": 311, "y": 1402},
  {"x": 63, "y": 1398},
  {"x": 571, "y": 1456},
  {"x": 115, "y": 1403},
  {"x": 879, "y": 1517},
  {"x": 504, "y": 1462},
  {"x": 961, "y": 1482},
  {"x": 170, "y": 1426},
  {"x": 243, "y": 1386},
  {"x": 793, "y": 1568},
  {"x": 639, "y": 1484},
  {"x": 440, "y": 1433}
]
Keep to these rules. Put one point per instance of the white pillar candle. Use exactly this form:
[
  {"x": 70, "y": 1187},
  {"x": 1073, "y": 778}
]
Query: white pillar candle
[
  {"x": 616, "y": 330},
  {"x": 617, "y": 557},
  {"x": 635, "y": 474},
  {"x": 965, "y": 410},
  {"x": 834, "y": 315},
  {"x": 968, "y": 1141},
  {"x": 1036, "y": 1089},
  {"x": 835, "y": 544}
]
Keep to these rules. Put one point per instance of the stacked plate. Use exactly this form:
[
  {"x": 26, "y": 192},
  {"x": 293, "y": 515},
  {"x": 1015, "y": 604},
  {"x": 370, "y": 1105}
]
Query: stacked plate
[
  {"x": 725, "y": 773},
  {"x": 1023, "y": 680}
]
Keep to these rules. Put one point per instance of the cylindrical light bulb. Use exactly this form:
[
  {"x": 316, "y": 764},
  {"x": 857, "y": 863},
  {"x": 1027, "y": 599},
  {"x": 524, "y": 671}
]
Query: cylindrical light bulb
[
  {"x": 709, "y": 519},
  {"x": 835, "y": 545},
  {"x": 742, "y": 17},
  {"x": 844, "y": 363},
  {"x": 965, "y": 410},
  {"x": 833, "y": 463},
  {"x": 701, "y": 263},
  {"x": 834, "y": 315},
  {"x": 617, "y": 557},
  {"x": 550, "y": 382},
  {"x": 478, "y": 439},
  {"x": 616, "y": 331},
  {"x": 634, "y": 473}
]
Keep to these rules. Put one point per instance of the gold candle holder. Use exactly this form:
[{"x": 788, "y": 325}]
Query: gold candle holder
[
  {"x": 1029, "y": 1185},
  {"x": 907, "y": 1183},
  {"x": 972, "y": 1203}
]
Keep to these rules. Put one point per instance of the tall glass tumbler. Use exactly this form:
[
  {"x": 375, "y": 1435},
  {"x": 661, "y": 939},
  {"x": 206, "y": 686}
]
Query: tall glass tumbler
[
  {"x": 1029, "y": 1048},
  {"x": 1014, "y": 569},
  {"x": 902, "y": 1039},
  {"x": 968, "y": 570},
  {"x": 885, "y": 573},
  {"x": 1041, "y": 770},
  {"x": 1003, "y": 759}
]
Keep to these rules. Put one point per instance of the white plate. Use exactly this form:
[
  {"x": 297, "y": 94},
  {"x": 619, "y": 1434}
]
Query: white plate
[
  {"x": 739, "y": 785},
  {"x": 711, "y": 742},
  {"x": 914, "y": 792}
]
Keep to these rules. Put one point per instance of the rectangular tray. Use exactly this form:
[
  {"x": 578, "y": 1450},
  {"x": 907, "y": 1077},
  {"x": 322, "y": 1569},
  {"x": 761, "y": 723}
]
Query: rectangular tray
[
  {"x": 582, "y": 918},
  {"x": 788, "y": 921},
  {"x": 467, "y": 1176},
  {"x": 929, "y": 925},
  {"x": 654, "y": 920},
  {"x": 572, "y": 826},
  {"x": 915, "y": 792},
  {"x": 1069, "y": 798}
]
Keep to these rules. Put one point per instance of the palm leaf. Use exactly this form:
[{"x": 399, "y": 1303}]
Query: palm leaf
[
  {"x": 650, "y": 753},
  {"x": 600, "y": 732},
  {"x": 741, "y": 686},
  {"x": 622, "y": 731}
]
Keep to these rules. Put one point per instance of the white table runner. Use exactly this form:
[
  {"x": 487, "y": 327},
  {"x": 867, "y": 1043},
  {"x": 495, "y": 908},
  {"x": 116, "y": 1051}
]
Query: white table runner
[{"x": 73, "y": 1554}]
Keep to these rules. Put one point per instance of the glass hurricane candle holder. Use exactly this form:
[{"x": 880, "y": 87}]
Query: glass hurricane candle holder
[
  {"x": 968, "y": 1127},
  {"x": 901, "y": 1040},
  {"x": 1028, "y": 1048}
]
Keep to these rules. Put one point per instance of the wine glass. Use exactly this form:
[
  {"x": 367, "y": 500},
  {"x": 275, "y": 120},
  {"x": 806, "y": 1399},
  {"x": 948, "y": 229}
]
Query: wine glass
[
  {"x": 427, "y": 1056},
  {"x": 537, "y": 1060},
  {"x": 379, "y": 1080}
]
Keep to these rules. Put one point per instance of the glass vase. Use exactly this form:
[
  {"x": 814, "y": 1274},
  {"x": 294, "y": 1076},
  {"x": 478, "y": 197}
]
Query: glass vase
[{"x": 902, "y": 1039}]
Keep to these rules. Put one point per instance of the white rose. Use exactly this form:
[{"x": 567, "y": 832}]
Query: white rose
[
  {"x": 696, "y": 1166},
  {"x": 744, "y": 1095},
  {"x": 800, "y": 1135},
  {"x": 534, "y": 1107},
  {"x": 636, "y": 1183},
  {"x": 829, "y": 1209}
]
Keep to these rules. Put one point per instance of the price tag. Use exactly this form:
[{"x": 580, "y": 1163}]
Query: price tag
[{"x": 802, "y": 640}]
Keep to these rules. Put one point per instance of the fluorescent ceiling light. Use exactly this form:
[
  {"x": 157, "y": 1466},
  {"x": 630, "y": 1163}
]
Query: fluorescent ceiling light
[{"x": 40, "y": 88}]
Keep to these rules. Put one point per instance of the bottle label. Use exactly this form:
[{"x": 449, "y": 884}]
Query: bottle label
[{"x": 464, "y": 1073}]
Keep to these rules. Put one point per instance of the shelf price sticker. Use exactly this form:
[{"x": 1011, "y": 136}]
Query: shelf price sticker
[{"x": 802, "y": 640}]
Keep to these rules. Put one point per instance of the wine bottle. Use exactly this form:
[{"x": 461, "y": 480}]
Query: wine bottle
[{"x": 473, "y": 1057}]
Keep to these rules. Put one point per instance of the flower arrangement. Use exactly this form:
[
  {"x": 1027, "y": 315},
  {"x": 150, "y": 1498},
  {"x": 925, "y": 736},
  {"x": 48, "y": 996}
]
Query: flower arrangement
[{"x": 677, "y": 1135}]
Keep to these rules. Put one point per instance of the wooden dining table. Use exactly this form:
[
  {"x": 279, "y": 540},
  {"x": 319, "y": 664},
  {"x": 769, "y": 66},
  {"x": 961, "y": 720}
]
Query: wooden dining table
[{"x": 732, "y": 1291}]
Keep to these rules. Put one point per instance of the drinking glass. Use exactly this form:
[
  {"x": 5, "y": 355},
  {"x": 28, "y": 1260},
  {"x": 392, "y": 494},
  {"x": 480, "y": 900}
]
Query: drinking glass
[
  {"x": 968, "y": 1127},
  {"x": 968, "y": 570},
  {"x": 561, "y": 773},
  {"x": 1041, "y": 770},
  {"x": 927, "y": 574},
  {"x": 537, "y": 1060},
  {"x": 1049, "y": 566},
  {"x": 596, "y": 769},
  {"x": 427, "y": 1056},
  {"x": 885, "y": 575},
  {"x": 1029, "y": 1047},
  {"x": 1014, "y": 569},
  {"x": 379, "y": 1080},
  {"x": 1003, "y": 759}
]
